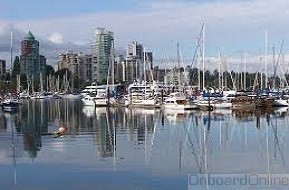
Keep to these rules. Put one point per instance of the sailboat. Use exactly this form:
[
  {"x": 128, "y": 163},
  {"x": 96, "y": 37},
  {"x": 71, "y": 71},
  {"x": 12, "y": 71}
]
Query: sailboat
[
  {"x": 143, "y": 94},
  {"x": 178, "y": 100},
  {"x": 10, "y": 103}
]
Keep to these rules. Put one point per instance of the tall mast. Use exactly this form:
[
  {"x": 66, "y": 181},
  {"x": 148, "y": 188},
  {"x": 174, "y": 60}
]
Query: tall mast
[
  {"x": 274, "y": 68},
  {"x": 199, "y": 74},
  {"x": 203, "y": 54},
  {"x": 266, "y": 59},
  {"x": 244, "y": 61},
  {"x": 241, "y": 73},
  {"x": 144, "y": 66},
  {"x": 198, "y": 50},
  {"x": 41, "y": 83},
  {"x": 219, "y": 74},
  {"x": 144, "y": 73},
  {"x": 11, "y": 50},
  {"x": 261, "y": 73},
  {"x": 179, "y": 65},
  {"x": 112, "y": 63}
]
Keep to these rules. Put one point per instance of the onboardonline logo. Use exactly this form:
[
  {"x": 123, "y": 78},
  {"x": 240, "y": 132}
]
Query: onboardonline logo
[{"x": 269, "y": 181}]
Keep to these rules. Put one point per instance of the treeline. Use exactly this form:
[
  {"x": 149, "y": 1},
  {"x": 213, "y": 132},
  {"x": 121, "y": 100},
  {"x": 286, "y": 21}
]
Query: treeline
[{"x": 236, "y": 80}]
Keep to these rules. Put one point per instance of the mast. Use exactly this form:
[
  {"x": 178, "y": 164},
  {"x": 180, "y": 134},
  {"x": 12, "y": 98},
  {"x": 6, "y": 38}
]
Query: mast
[
  {"x": 196, "y": 56},
  {"x": 41, "y": 82},
  {"x": 241, "y": 73},
  {"x": 11, "y": 59},
  {"x": 112, "y": 62},
  {"x": 203, "y": 54},
  {"x": 33, "y": 90},
  {"x": 261, "y": 73},
  {"x": 219, "y": 74},
  {"x": 58, "y": 83},
  {"x": 244, "y": 61},
  {"x": 11, "y": 50},
  {"x": 28, "y": 84},
  {"x": 274, "y": 68},
  {"x": 266, "y": 59},
  {"x": 18, "y": 83},
  {"x": 144, "y": 72},
  {"x": 179, "y": 66}
]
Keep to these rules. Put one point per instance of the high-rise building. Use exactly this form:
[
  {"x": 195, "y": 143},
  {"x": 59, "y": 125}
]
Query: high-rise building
[
  {"x": 31, "y": 63},
  {"x": 2, "y": 67},
  {"x": 135, "y": 49},
  {"x": 102, "y": 51},
  {"x": 149, "y": 60},
  {"x": 79, "y": 65},
  {"x": 134, "y": 62}
]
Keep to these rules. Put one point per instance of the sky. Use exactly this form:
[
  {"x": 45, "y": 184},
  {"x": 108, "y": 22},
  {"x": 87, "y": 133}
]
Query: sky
[{"x": 231, "y": 26}]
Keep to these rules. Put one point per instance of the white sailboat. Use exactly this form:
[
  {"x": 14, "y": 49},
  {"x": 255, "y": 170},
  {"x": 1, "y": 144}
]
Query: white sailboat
[
  {"x": 178, "y": 100},
  {"x": 10, "y": 103}
]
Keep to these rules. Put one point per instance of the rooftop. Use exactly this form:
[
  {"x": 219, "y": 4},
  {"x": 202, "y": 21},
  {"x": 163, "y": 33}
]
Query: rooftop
[{"x": 29, "y": 36}]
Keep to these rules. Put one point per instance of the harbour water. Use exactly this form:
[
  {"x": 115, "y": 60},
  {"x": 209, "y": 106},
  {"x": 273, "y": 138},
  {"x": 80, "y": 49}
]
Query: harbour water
[{"x": 121, "y": 148}]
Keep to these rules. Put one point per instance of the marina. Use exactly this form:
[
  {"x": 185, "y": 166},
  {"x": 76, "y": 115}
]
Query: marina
[
  {"x": 126, "y": 148},
  {"x": 137, "y": 95}
]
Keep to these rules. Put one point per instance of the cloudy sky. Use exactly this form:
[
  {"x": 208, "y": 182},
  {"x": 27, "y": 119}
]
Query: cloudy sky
[{"x": 232, "y": 26}]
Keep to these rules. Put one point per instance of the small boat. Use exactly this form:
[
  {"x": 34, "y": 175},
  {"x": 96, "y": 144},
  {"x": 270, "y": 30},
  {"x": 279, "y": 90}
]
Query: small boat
[
  {"x": 281, "y": 102},
  {"x": 215, "y": 104},
  {"x": 10, "y": 104},
  {"x": 24, "y": 95}
]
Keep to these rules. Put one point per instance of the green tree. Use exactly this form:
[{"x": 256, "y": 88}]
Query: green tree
[
  {"x": 49, "y": 70},
  {"x": 16, "y": 67},
  {"x": 14, "y": 73}
]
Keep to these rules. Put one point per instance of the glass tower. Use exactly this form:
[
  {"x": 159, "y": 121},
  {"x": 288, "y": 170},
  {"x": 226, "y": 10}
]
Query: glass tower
[{"x": 101, "y": 52}]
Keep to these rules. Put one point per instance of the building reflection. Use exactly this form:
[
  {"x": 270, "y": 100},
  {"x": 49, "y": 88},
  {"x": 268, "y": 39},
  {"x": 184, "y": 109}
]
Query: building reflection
[
  {"x": 37, "y": 118},
  {"x": 139, "y": 123},
  {"x": 3, "y": 123},
  {"x": 110, "y": 122},
  {"x": 34, "y": 123}
]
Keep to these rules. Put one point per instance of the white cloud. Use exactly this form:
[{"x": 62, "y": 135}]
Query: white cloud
[
  {"x": 231, "y": 25},
  {"x": 56, "y": 38}
]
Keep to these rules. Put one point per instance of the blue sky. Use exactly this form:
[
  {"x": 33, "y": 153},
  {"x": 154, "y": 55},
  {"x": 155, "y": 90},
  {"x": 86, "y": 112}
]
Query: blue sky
[
  {"x": 31, "y": 9},
  {"x": 232, "y": 26}
]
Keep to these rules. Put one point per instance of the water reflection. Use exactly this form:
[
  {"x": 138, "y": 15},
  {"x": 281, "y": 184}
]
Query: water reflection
[
  {"x": 165, "y": 143},
  {"x": 39, "y": 118},
  {"x": 105, "y": 132}
]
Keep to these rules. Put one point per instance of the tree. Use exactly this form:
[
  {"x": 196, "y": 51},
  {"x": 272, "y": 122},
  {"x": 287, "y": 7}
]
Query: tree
[
  {"x": 14, "y": 73},
  {"x": 16, "y": 67},
  {"x": 49, "y": 70}
]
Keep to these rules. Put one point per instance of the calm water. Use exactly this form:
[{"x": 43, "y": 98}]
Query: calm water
[{"x": 120, "y": 148}]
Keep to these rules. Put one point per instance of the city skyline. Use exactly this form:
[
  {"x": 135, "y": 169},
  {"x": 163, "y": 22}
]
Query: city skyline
[{"x": 232, "y": 26}]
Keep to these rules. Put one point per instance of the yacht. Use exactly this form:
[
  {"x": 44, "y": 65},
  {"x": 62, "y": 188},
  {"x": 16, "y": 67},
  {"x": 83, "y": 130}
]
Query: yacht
[
  {"x": 142, "y": 95},
  {"x": 178, "y": 101}
]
